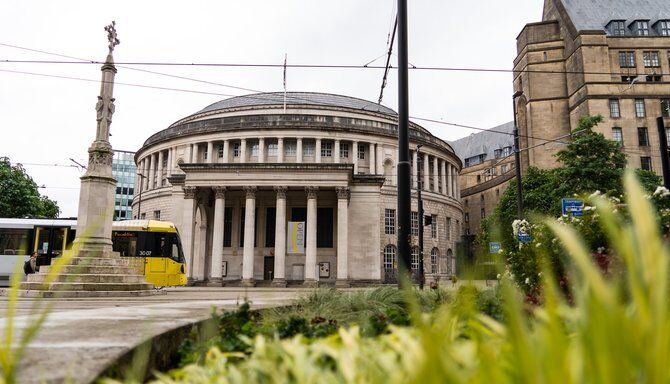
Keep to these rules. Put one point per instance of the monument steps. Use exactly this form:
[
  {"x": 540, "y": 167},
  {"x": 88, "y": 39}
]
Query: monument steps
[
  {"x": 70, "y": 286},
  {"x": 88, "y": 278},
  {"x": 96, "y": 269}
]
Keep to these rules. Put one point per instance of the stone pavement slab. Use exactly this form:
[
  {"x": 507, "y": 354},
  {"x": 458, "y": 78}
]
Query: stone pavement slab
[{"x": 81, "y": 337}]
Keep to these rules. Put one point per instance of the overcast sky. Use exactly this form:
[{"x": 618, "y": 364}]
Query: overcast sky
[{"x": 47, "y": 120}]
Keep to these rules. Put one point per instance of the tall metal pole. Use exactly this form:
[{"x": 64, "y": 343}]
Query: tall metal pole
[
  {"x": 665, "y": 160},
  {"x": 419, "y": 201},
  {"x": 517, "y": 161},
  {"x": 404, "y": 191}
]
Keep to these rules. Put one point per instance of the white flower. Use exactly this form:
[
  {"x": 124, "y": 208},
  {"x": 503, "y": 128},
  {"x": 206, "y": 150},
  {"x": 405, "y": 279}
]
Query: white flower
[
  {"x": 601, "y": 249},
  {"x": 527, "y": 280},
  {"x": 594, "y": 194},
  {"x": 538, "y": 245},
  {"x": 661, "y": 191},
  {"x": 588, "y": 207},
  {"x": 498, "y": 276}
]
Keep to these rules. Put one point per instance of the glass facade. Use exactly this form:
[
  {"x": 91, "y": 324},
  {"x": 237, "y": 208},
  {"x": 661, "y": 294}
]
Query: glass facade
[{"x": 124, "y": 171}]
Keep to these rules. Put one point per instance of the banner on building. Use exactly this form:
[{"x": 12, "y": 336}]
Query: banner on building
[{"x": 295, "y": 237}]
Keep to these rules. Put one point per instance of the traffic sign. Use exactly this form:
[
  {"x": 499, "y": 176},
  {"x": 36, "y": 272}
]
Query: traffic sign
[
  {"x": 573, "y": 207},
  {"x": 494, "y": 247}
]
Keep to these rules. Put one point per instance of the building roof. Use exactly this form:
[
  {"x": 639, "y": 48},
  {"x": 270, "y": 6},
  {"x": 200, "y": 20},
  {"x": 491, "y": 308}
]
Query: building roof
[
  {"x": 298, "y": 98},
  {"x": 596, "y": 14},
  {"x": 484, "y": 142}
]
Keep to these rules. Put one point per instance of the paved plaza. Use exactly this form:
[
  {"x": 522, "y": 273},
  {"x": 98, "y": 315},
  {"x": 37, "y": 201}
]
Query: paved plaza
[{"x": 81, "y": 337}]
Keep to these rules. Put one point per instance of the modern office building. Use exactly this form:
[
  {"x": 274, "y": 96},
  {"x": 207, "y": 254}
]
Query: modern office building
[
  {"x": 125, "y": 172},
  {"x": 296, "y": 188}
]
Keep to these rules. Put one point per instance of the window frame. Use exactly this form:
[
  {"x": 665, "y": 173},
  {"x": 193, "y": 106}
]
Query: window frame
[
  {"x": 618, "y": 28},
  {"x": 360, "y": 152},
  {"x": 640, "y": 108},
  {"x": 665, "y": 107},
  {"x": 308, "y": 148},
  {"x": 290, "y": 148},
  {"x": 627, "y": 59},
  {"x": 237, "y": 149},
  {"x": 642, "y": 27},
  {"x": 414, "y": 223},
  {"x": 389, "y": 221},
  {"x": 642, "y": 136},
  {"x": 273, "y": 149},
  {"x": 647, "y": 160},
  {"x": 615, "y": 108},
  {"x": 619, "y": 134},
  {"x": 651, "y": 59},
  {"x": 344, "y": 150},
  {"x": 326, "y": 149},
  {"x": 433, "y": 226}
]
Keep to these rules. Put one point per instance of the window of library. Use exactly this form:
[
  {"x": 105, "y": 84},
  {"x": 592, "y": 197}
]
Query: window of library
[
  {"x": 627, "y": 59},
  {"x": 308, "y": 148},
  {"x": 642, "y": 27},
  {"x": 389, "y": 257},
  {"x": 617, "y": 135},
  {"x": 157, "y": 215},
  {"x": 324, "y": 227},
  {"x": 664, "y": 27},
  {"x": 448, "y": 228},
  {"x": 618, "y": 28},
  {"x": 434, "y": 254},
  {"x": 326, "y": 149},
  {"x": 254, "y": 149},
  {"x": 361, "y": 152},
  {"x": 639, "y": 108},
  {"x": 344, "y": 150},
  {"x": 433, "y": 226},
  {"x": 415, "y": 259},
  {"x": 236, "y": 149},
  {"x": 227, "y": 226},
  {"x": 205, "y": 154},
  {"x": 219, "y": 150},
  {"x": 642, "y": 137},
  {"x": 272, "y": 149},
  {"x": 645, "y": 163},
  {"x": 415, "y": 223},
  {"x": 651, "y": 59},
  {"x": 290, "y": 148},
  {"x": 665, "y": 107},
  {"x": 497, "y": 153},
  {"x": 389, "y": 221},
  {"x": 615, "y": 111}
]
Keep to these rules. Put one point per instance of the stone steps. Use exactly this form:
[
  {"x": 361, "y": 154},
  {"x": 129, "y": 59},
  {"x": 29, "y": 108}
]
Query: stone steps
[
  {"x": 133, "y": 278},
  {"x": 96, "y": 269},
  {"x": 107, "y": 261},
  {"x": 92, "y": 287},
  {"x": 85, "y": 294}
]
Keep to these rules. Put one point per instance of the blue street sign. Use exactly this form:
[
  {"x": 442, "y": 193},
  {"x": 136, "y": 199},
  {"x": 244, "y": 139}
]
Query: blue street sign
[
  {"x": 524, "y": 237},
  {"x": 572, "y": 207},
  {"x": 494, "y": 247}
]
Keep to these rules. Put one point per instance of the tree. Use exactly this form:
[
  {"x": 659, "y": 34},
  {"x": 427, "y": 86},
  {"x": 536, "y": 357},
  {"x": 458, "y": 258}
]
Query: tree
[{"x": 19, "y": 196}]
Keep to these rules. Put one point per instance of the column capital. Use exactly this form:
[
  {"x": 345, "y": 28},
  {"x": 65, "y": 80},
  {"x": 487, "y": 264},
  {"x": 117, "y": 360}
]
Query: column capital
[
  {"x": 281, "y": 191},
  {"x": 220, "y": 192},
  {"x": 189, "y": 191},
  {"x": 311, "y": 192},
  {"x": 342, "y": 192},
  {"x": 250, "y": 191}
]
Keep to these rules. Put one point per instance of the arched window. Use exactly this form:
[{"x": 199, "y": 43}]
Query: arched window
[
  {"x": 389, "y": 257},
  {"x": 450, "y": 262},
  {"x": 434, "y": 255},
  {"x": 415, "y": 259}
]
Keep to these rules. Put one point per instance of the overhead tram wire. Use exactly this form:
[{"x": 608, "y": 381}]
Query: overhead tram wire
[{"x": 388, "y": 61}]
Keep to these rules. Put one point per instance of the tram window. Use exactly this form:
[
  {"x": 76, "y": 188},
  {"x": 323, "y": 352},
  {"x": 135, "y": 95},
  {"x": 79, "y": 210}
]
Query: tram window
[
  {"x": 125, "y": 242},
  {"x": 14, "y": 241}
]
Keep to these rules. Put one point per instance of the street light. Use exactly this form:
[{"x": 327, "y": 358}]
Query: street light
[
  {"x": 517, "y": 159},
  {"x": 139, "y": 197},
  {"x": 419, "y": 202}
]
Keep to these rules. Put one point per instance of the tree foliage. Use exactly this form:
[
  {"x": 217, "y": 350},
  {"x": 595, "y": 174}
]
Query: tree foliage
[{"x": 19, "y": 196}]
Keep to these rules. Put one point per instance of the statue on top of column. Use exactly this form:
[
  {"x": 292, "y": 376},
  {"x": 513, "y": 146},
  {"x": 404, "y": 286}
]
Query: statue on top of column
[{"x": 111, "y": 36}]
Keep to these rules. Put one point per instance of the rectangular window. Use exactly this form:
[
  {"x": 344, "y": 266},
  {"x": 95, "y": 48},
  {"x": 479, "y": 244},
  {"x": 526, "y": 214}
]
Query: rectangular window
[
  {"x": 324, "y": 227},
  {"x": 466, "y": 217},
  {"x": 617, "y": 135},
  {"x": 344, "y": 150},
  {"x": 642, "y": 27},
  {"x": 503, "y": 168},
  {"x": 664, "y": 28},
  {"x": 447, "y": 228},
  {"x": 642, "y": 137},
  {"x": 326, "y": 149},
  {"x": 433, "y": 226},
  {"x": 667, "y": 134},
  {"x": 270, "y": 222},
  {"x": 272, "y": 149},
  {"x": 665, "y": 107},
  {"x": 389, "y": 221},
  {"x": 639, "y": 108},
  {"x": 414, "y": 220},
  {"x": 205, "y": 154},
  {"x": 254, "y": 149},
  {"x": 227, "y": 226},
  {"x": 308, "y": 148},
  {"x": 651, "y": 59},
  {"x": 618, "y": 28},
  {"x": 653, "y": 78},
  {"x": 361, "y": 152},
  {"x": 290, "y": 148},
  {"x": 497, "y": 153},
  {"x": 219, "y": 150},
  {"x": 627, "y": 59},
  {"x": 157, "y": 215},
  {"x": 615, "y": 111},
  {"x": 236, "y": 149},
  {"x": 645, "y": 163}
]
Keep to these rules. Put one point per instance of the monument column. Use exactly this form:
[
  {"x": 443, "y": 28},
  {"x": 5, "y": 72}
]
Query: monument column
[
  {"x": 249, "y": 235},
  {"x": 279, "y": 278},
  {"x": 310, "y": 249},
  {"x": 342, "y": 237},
  {"x": 217, "y": 237}
]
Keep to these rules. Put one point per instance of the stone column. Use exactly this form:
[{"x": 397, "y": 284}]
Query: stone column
[
  {"x": 457, "y": 190},
  {"x": 249, "y": 235},
  {"x": 436, "y": 176},
  {"x": 317, "y": 151},
  {"x": 261, "y": 150},
  {"x": 168, "y": 171},
  {"x": 380, "y": 159},
  {"x": 226, "y": 149},
  {"x": 372, "y": 160},
  {"x": 449, "y": 183},
  {"x": 310, "y": 249},
  {"x": 215, "y": 278},
  {"x": 298, "y": 150},
  {"x": 342, "y": 237},
  {"x": 415, "y": 170},
  {"x": 425, "y": 168},
  {"x": 152, "y": 165},
  {"x": 189, "y": 154},
  {"x": 280, "y": 150},
  {"x": 444, "y": 176},
  {"x": 188, "y": 222},
  {"x": 243, "y": 151},
  {"x": 210, "y": 151},
  {"x": 354, "y": 148},
  {"x": 159, "y": 179},
  {"x": 194, "y": 154},
  {"x": 279, "y": 278},
  {"x": 336, "y": 155}
]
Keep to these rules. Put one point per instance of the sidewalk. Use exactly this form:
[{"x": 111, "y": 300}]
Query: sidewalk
[{"x": 81, "y": 337}]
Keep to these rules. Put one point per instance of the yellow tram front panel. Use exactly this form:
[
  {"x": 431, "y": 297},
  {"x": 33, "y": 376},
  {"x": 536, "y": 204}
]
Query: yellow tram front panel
[{"x": 163, "y": 272}]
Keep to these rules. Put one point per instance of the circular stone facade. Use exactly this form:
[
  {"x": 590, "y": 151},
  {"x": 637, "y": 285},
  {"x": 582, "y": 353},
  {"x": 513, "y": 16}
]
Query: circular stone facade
[{"x": 296, "y": 188}]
